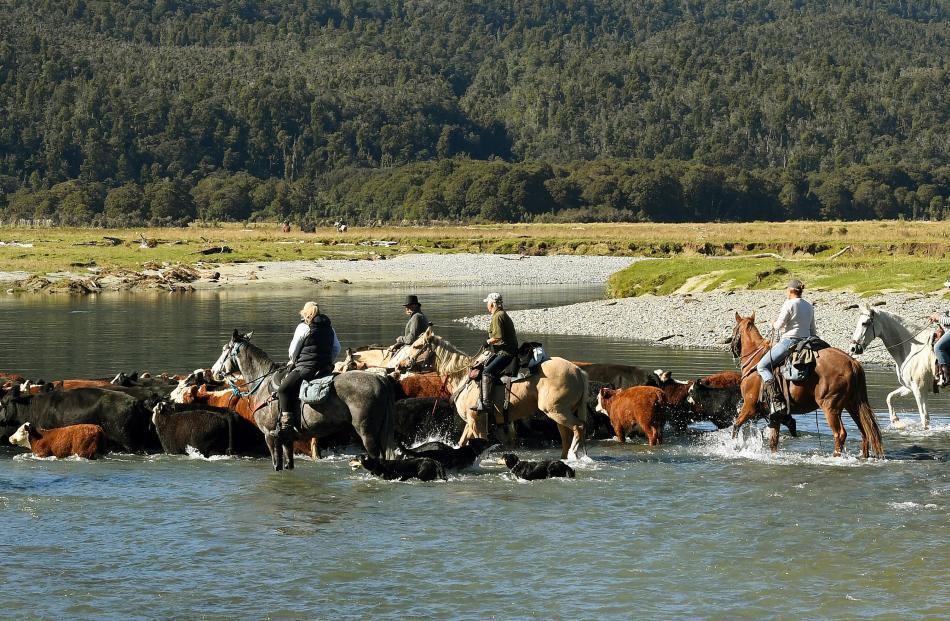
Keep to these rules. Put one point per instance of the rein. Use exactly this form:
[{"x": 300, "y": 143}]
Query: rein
[{"x": 237, "y": 392}]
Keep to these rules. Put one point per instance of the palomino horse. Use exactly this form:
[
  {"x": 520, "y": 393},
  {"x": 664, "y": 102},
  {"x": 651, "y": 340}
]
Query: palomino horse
[
  {"x": 382, "y": 358},
  {"x": 836, "y": 384},
  {"x": 559, "y": 389},
  {"x": 912, "y": 352},
  {"x": 363, "y": 400}
]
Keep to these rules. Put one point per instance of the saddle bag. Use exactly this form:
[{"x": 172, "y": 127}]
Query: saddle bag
[
  {"x": 800, "y": 365},
  {"x": 316, "y": 391},
  {"x": 531, "y": 355}
]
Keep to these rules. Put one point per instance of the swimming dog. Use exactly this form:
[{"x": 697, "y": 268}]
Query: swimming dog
[
  {"x": 534, "y": 470},
  {"x": 421, "y": 468}
]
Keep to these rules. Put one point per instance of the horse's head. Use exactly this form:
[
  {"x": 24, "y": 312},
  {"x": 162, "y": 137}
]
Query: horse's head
[
  {"x": 420, "y": 348},
  {"x": 745, "y": 327},
  {"x": 227, "y": 362},
  {"x": 864, "y": 331}
]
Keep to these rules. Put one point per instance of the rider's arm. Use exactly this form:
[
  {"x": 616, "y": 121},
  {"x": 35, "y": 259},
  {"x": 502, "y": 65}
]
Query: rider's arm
[
  {"x": 812, "y": 328},
  {"x": 335, "y": 349},
  {"x": 494, "y": 329},
  {"x": 297, "y": 342},
  {"x": 779, "y": 325}
]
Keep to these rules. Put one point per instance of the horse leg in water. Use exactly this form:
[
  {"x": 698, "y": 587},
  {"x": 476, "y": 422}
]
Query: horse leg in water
[
  {"x": 369, "y": 439},
  {"x": 833, "y": 416},
  {"x": 900, "y": 392},
  {"x": 921, "y": 399},
  {"x": 571, "y": 429},
  {"x": 277, "y": 453},
  {"x": 748, "y": 411},
  {"x": 266, "y": 420},
  {"x": 289, "y": 450}
]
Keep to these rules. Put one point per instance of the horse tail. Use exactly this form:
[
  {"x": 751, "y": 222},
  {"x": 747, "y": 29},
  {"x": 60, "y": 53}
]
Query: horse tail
[
  {"x": 583, "y": 409},
  {"x": 866, "y": 417}
]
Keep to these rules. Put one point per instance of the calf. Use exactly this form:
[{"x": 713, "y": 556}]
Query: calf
[
  {"x": 87, "y": 441},
  {"x": 715, "y": 404},
  {"x": 421, "y": 468},
  {"x": 641, "y": 408},
  {"x": 535, "y": 470},
  {"x": 210, "y": 431},
  {"x": 451, "y": 458},
  {"x": 681, "y": 412}
]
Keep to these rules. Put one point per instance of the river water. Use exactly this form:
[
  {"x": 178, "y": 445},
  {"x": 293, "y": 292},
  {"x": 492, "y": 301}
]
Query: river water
[{"x": 699, "y": 528}]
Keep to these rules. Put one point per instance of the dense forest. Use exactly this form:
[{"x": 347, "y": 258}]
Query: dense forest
[{"x": 393, "y": 110}]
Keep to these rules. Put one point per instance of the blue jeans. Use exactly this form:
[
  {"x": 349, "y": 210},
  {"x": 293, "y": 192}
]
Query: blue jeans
[
  {"x": 942, "y": 349},
  {"x": 774, "y": 358}
]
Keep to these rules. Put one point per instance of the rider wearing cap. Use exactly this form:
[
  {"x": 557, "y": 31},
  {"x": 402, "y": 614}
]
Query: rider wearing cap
[
  {"x": 795, "y": 322},
  {"x": 503, "y": 341},
  {"x": 942, "y": 347},
  {"x": 417, "y": 323}
]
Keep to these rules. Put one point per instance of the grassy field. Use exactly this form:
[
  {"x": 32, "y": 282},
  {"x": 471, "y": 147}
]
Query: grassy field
[{"x": 907, "y": 256}]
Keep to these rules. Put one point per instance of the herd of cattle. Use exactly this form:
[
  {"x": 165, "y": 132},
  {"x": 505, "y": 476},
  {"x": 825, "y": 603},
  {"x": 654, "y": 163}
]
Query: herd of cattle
[{"x": 140, "y": 413}]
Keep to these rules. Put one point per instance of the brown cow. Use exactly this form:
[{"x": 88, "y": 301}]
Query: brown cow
[
  {"x": 640, "y": 408},
  {"x": 423, "y": 385},
  {"x": 86, "y": 441}
]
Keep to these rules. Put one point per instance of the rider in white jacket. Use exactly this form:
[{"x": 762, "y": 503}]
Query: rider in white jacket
[{"x": 795, "y": 322}]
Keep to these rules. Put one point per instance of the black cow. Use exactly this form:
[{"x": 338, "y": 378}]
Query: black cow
[
  {"x": 125, "y": 422},
  {"x": 534, "y": 470},
  {"x": 209, "y": 430},
  {"x": 451, "y": 458}
]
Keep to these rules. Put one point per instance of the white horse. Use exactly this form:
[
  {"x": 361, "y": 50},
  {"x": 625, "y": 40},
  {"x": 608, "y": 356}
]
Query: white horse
[{"x": 912, "y": 352}]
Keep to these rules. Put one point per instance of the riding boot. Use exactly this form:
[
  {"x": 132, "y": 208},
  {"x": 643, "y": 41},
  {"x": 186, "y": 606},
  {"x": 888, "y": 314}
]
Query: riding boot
[
  {"x": 776, "y": 400},
  {"x": 288, "y": 426},
  {"x": 944, "y": 375},
  {"x": 484, "y": 393}
]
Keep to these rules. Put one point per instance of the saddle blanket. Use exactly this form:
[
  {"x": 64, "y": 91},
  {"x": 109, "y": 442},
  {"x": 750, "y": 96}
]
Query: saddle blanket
[{"x": 317, "y": 390}]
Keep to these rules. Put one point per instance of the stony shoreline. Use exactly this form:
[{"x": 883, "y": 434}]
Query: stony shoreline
[
  {"x": 460, "y": 269},
  {"x": 706, "y": 319}
]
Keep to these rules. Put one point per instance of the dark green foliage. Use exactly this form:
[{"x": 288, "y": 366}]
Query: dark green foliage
[{"x": 395, "y": 110}]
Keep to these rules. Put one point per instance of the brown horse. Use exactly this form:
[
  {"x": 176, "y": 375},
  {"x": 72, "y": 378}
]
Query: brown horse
[{"x": 836, "y": 384}]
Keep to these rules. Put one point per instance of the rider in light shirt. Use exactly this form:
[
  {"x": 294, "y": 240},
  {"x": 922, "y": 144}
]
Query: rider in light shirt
[
  {"x": 795, "y": 322},
  {"x": 942, "y": 347}
]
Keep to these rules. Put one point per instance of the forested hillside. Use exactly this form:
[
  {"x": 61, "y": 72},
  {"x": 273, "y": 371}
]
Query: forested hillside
[{"x": 166, "y": 110}]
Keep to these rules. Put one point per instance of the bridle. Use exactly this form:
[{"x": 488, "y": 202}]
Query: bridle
[
  {"x": 417, "y": 351},
  {"x": 856, "y": 345},
  {"x": 736, "y": 346},
  {"x": 233, "y": 351}
]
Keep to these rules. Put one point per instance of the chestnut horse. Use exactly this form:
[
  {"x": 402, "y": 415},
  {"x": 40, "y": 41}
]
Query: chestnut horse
[{"x": 836, "y": 384}]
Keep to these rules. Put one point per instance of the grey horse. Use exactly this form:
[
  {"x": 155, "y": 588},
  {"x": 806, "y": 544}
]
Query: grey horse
[{"x": 358, "y": 399}]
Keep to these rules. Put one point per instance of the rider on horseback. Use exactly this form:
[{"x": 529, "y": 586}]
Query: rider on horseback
[
  {"x": 416, "y": 325},
  {"x": 795, "y": 322},
  {"x": 942, "y": 347},
  {"x": 312, "y": 352},
  {"x": 503, "y": 341}
]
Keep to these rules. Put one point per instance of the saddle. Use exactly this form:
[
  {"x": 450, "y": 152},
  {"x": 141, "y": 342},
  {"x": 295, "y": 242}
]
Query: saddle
[{"x": 802, "y": 359}]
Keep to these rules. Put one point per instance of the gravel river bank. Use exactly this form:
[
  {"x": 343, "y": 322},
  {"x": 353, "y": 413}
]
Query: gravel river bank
[{"x": 707, "y": 319}]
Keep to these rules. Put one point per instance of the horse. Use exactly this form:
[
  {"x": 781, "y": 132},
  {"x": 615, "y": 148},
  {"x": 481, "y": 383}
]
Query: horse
[
  {"x": 836, "y": 384},
  {"x": 558, "y": 389},
  {"x": 911, "y": 350},
  {"x": 363, "y": 400},
  {"x": 382, "y": 358}
]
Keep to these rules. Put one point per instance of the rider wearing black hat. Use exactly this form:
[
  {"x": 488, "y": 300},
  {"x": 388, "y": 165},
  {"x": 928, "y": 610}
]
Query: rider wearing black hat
[{"x": 417, "y": 323}]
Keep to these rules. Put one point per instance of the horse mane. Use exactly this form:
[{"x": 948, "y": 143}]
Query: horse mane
[
  {"x": 438, "y": 340},
  {"x": 905, "y": 323}
]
